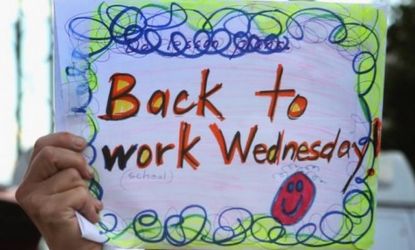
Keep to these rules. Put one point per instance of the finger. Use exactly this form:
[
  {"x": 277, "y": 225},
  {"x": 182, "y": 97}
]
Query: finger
[
  {"x": 79, "y": 199},
  {"x": 62, "y": 140},
  {"x": 63, "y": 181},
  {"x": 50, "y": 160}
]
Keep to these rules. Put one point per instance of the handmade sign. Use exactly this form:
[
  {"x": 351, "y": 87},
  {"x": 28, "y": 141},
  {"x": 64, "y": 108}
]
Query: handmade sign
[{"x": 245, "y": 124}]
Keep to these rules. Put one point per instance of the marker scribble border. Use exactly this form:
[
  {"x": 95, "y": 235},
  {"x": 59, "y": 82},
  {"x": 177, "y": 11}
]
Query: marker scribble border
[{"x": 128, "y": 29}]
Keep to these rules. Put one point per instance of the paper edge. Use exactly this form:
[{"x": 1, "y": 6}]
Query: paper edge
[{"x": 89, "y": 230}]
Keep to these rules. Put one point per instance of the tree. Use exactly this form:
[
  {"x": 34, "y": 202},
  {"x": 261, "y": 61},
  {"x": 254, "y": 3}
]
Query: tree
[{"x": 399, "y": 102}]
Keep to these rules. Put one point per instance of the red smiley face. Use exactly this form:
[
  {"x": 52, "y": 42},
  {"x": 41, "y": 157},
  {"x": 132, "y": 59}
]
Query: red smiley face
[{"x": 293, "y": 199}]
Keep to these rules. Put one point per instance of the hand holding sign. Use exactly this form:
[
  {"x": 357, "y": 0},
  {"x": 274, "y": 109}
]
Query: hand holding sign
[{"x": 54, "y": 188}]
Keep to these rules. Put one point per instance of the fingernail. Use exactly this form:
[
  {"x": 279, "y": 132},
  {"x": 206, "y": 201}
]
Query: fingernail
[{"x": 79, "y": 142}]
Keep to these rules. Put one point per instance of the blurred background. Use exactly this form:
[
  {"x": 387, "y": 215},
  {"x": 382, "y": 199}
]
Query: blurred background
[{"x": 26, "y": 101}]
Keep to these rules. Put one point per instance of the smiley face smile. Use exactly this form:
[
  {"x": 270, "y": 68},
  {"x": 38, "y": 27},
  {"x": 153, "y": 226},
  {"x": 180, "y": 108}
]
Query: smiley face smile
[{"x": 294, "y": 210}]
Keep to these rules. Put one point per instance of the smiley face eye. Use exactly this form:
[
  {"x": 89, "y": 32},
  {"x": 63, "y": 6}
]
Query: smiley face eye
[
  {"x": 299, "y": 186},
  {"x": 290, "y": 187}
]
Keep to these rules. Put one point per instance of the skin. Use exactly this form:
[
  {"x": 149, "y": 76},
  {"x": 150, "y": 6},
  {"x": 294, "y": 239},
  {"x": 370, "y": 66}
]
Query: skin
[{"x": 55, "y": 187}]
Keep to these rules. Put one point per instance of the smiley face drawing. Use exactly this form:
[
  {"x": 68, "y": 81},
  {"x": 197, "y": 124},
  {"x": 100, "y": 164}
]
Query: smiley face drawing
[{"x": 293, "y": 199}]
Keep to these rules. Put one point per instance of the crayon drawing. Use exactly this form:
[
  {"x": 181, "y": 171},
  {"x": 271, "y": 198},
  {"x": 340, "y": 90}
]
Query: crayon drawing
[{"x": 237, "y": 124}]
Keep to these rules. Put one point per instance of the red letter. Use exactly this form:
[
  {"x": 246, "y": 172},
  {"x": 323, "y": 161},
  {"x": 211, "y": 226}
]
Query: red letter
[
  {"x": 183, "y": 95},
  {"x": 236, "y": 143},
  {"x": 185, "y": 147},
  {"x": 203, "y": 97},
  {"x": 275, "y": 93},
  {"x": 121, "y": 105},
  {"x": 160, "y": 150}
]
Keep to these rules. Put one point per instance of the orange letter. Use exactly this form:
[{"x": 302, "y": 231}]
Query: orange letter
[
  {"x": 275, "y": 93},
  {"x": 159, "y": 102},
  {"x": 183, "y": 95},
  {"x": 185, "y": 147},
  {"x": 228, "y": 154},
  {"x": 203, "y": 97},
  {"x": 121, "y": 104}
]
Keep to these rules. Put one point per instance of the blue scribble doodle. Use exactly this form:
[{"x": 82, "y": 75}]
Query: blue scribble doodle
[
  {"x": 148, "y": 227},
  {"x": 160, "y": 33},
  {"x": 169, "y": 32}
]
